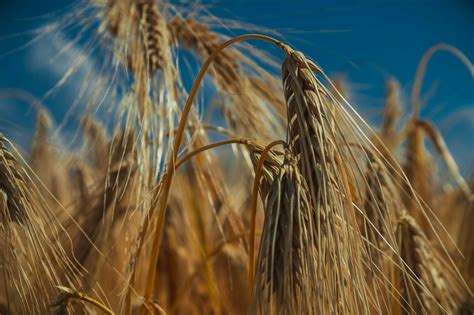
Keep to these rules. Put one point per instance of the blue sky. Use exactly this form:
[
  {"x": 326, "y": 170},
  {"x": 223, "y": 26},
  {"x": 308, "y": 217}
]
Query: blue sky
[{"x": 368, "y": 41}]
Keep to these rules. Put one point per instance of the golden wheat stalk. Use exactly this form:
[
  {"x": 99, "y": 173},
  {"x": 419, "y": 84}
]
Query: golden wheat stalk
[{"x": 161, "y": 196}]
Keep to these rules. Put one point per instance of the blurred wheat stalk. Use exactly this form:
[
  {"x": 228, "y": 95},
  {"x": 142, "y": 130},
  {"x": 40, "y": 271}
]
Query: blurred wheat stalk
[{"x": 149, "y": 219}]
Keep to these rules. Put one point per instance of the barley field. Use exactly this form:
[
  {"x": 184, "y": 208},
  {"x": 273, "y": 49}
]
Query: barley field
[{"x": 214, "y": 173}]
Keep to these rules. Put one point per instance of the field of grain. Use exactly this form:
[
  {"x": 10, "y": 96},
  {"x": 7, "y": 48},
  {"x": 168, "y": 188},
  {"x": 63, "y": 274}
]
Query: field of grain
[{"x": 270, "y": 195}]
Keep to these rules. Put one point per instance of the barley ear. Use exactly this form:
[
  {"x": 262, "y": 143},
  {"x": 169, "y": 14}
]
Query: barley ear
[
  {"x": 12, "y": 183},
  {"x": 286, "y": 263}
]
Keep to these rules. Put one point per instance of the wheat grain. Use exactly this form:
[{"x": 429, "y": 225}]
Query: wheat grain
[
  {"x": 286, "y": 264},
  {"x": 382, "y": 204},
  {"x": 152, "y": 25},
  {"x": 428, "y": 286},
  {"x": 314, "y": 138}
]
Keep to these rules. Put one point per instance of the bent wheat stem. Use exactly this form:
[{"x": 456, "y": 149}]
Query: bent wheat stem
[
  {"x": 67, "y": 294},
  {"x": 211, "y": 146},
  {"x": 243, "y": 141},
  {"x": 421, "y": 70},
  {"x": 258, "y": 173},
  {"x": 168, "y": 177},
  {"x": 441, "y": 147}
]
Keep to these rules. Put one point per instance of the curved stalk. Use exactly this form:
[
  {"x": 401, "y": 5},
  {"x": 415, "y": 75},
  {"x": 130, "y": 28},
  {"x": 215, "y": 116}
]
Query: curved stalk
[
  {"x": 421, "y": 70},
  {"x": 258, "y": 174},
  {"x": 168, "y": 177},
  {"x": 442, "y": 148},
  {"x": 70, "y": 294},
  {"x": 210, "y": 146}
]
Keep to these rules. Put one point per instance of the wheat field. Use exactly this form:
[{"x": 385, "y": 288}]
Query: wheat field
[{"x": 271, "y": 195}]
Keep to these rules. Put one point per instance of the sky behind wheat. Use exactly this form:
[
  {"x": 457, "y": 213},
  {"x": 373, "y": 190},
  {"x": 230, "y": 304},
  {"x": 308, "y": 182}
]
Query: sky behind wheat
[{"x": 367, "y": 41}]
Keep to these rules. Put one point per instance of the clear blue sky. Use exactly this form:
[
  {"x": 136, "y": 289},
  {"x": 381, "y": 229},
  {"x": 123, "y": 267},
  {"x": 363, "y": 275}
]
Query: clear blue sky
[{"x": 366, "y": 40}]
